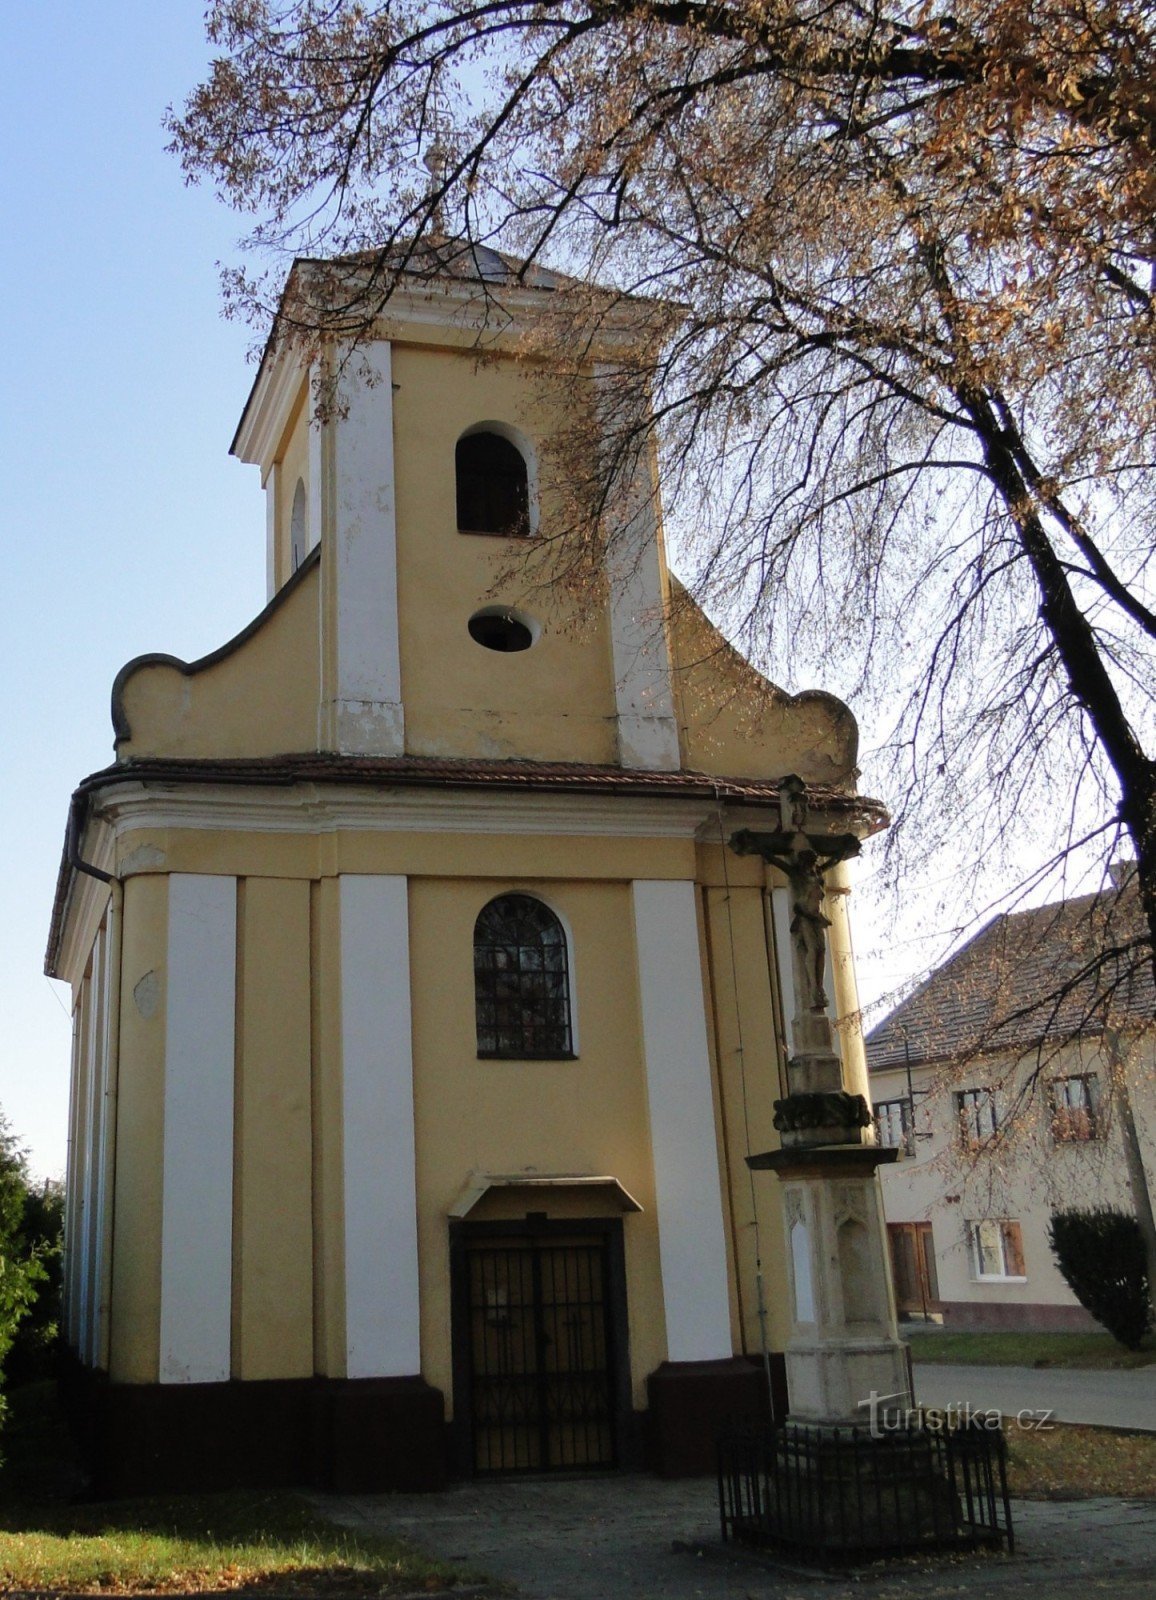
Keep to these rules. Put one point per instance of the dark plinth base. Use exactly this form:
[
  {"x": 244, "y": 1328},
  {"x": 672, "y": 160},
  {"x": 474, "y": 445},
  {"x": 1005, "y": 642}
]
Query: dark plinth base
[
  {"x": 367, "y": 1435},
  {"x": 975, "y": 1317},
  {"x": 380, "y": 1433},
  {"x": 692, "y": 1402},
  {"x": 840, "y": 1495}
]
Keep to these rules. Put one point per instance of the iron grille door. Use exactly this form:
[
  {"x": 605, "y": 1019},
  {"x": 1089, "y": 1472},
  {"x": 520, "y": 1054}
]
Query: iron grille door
[{"x": 541, "y": 1356}]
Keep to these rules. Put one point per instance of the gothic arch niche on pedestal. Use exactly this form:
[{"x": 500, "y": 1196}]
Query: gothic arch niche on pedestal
[{"x": 858, "y": 1265}]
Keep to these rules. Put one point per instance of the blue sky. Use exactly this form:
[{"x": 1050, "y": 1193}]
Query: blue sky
[{"x": 127, "y": 525}]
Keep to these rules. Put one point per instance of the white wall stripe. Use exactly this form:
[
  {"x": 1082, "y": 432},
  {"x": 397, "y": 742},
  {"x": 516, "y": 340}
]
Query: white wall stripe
[
  {"x": 272, "y": 487},
  {"x": 382, "y": 1325},
  {"x": 368, "y": 714},
  {"x": 104, "y": 1146},
  {"x": 692, "y": 1239},
  {"x": 75, "y": 1175},
  {"x": 647, "y": 729},
  {"x": 197, "y": 1207},
  {"x": 95, "y": 1133},
  {"x": 86, "y": 1137},
  {"x": 314, "y": 452}
]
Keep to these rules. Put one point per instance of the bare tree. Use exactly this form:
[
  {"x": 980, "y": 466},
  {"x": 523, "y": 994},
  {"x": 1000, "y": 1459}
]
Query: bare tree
[{"x": 907, "y": 394}]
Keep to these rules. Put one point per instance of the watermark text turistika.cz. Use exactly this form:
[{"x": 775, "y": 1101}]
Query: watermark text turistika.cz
[{"x": 894, "y": 1413}]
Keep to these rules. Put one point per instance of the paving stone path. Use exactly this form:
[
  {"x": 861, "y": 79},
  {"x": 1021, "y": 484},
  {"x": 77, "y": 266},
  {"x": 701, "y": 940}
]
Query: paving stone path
[{"x": 638, "y": 1538}]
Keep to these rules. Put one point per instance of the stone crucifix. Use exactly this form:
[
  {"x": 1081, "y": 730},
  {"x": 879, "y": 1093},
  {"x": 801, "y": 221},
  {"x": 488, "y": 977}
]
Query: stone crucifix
[{"x": 817, "y": 1107}]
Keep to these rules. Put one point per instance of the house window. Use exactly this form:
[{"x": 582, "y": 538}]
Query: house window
[
  {"x": 997, "y": 1249},
  {"x": 893, "y": 1123},
  {"x": 1074, "y": 1106},
  {"x": 493, "y": 488},
  {"x": 975, "y": 1113},
  {"x": 521, "y": 981}
]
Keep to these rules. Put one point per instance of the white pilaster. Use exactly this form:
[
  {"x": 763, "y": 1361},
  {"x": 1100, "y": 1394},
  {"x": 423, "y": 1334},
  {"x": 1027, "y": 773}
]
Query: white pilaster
[
  {"x": 382, "y": 1325},
  {"x": 315, "y": 476},
  {"x": 271, "y": 493},
  {"x": 364, "y": 698},
  {"x": 95, "y": 1118},
  {"x": 84, "y": 1165},
  {"x": 647, "y": 728},
  {"x": 691, "y": 1233},
  {"x": 106, "y": 1148},
  {"x": 197, "y": 1205},
  {"x": 74, "y": 1188}
]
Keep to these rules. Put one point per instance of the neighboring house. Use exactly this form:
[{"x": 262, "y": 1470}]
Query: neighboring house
[
  {"x": 423, "y": 1016},
  {"x": 1006, "y": 1082}
]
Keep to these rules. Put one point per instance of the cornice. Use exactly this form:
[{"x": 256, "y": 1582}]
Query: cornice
[
  {"x": 310, "y": 808},
  {"x": 495, "y": 315},
  {"x": 317, "y": 793},
  {"x": 268, "y": 408}
]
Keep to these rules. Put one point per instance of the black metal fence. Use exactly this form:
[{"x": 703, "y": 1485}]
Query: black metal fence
[{"x": 845, "y": 1494}]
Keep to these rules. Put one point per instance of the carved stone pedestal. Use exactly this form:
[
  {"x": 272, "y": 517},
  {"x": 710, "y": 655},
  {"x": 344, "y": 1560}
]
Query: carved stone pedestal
[
  {"x": 844, "y": 1345},
  {"x": 852, "y": 1473}
]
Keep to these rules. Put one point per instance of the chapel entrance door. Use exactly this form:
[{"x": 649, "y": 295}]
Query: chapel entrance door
[{"x": 539, "y": 1345}]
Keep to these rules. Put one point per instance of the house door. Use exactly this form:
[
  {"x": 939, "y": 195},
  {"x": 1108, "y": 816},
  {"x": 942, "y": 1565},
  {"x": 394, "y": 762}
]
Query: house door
[
  {"x": 539, "y": 1335},
  {"x": 913, "y": 1268}
]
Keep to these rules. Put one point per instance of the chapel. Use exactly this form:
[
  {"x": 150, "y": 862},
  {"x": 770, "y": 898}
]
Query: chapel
[{"x": 424, "y": 1015}]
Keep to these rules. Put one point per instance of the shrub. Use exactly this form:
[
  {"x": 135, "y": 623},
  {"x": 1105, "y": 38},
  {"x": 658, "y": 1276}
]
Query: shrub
[
  {"x": 33, "y": 1353},
  {"x": 29, "y": 1246},
  {"x": 1101, "y": 1255}
]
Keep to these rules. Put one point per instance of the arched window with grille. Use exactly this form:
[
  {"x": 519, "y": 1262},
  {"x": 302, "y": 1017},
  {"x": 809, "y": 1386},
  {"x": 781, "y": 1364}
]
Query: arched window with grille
[
  {"x": 493, "y": 487},
  {"x": 521, "y": 981}
]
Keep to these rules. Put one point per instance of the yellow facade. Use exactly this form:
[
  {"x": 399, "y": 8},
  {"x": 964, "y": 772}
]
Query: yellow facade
[
  {"x": 230, "y": 795},
  {"x": 470, "y": 1116}
]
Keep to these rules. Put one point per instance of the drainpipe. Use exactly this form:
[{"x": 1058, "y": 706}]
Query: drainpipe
[
  {"x": 909, "y": 1140},
  {"x": 72, "y": 841}
]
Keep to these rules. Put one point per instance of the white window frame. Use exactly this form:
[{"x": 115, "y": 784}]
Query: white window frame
[
  {"x": 900, "y": 1106},
  {"x": 1070, "y": 1102},
  {"x": 976, "y": 1116},
  {"x": 976, "y": 1244}
]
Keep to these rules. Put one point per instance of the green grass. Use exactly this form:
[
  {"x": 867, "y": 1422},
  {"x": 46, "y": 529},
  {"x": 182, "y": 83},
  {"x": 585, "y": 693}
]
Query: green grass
[
  {"x": 1089, "y": 1350},
  {"x": 196, "y": 1542},
  {"x": 178, "y": 1543}
]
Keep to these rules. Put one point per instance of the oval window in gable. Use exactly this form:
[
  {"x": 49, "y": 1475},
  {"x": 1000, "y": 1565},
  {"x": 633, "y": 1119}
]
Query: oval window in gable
[{"x": 492, "y": 486}]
